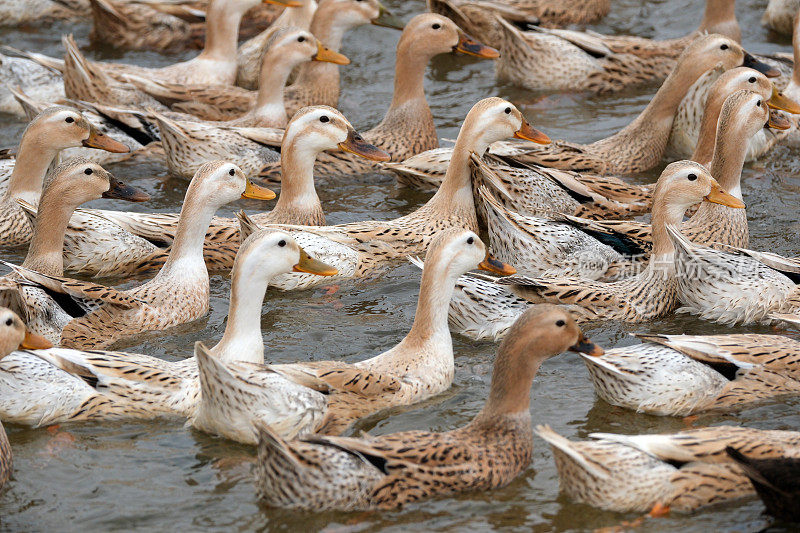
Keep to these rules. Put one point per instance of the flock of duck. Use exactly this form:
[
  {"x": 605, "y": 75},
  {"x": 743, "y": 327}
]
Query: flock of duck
[{"x": 560, "y": 212}]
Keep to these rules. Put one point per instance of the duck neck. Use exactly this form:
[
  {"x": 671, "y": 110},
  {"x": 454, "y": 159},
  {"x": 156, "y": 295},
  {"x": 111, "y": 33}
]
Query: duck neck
[
  {"x": 720, "y": 17},
  {"x": 455, "y": 192},
  {"x": 186, "y": 252},
  {"x": 45, "y": 253},
  {"x": 270, "y": 110},
  {"x": 222, "y": 31},
  {"x": 430, "y": 321},
  {"x": 298, "y": 194},
  {"x": 242, "y": 340},
  {"x": 331, "y": 34},
  {"x": 795, "y": 83},
  {"x": 512, "y": 378},
  {"x": 662, "y": 257},
  {"x": 409, "y": 77},
  {"x": 33, "y": 159},
  {"x": 706, "y": 138},
  {"x": 730, "y": 151},
  {"x": 298, "y": 17}
]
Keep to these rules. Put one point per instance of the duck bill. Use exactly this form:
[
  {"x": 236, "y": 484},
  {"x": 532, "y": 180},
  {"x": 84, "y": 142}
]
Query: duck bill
[
  {"x": 529, "y": 133},
  {"x": 470, "y": 46},
  {"x": 753, "y": 63},
  {"x": 778, "y": 101},
  {"x": 718, "y": 196},
  {"x": 491, "y": 264},
  {"x": 257, "y": 192},
  {"x": 777, "y": 121},
  {"x": 586, "y": 346},
  {"x": 102, "y": 141},
  {"x": 355, "y": 144},
  {"x": 329, "y": 56},
  {"x": 284, "y": 3},
  {"x": 32, "y": 341},
  {"x": 386, "y": 19},
  {"x": 309, "y": 265},
  {"x": 120, "y": 191}
]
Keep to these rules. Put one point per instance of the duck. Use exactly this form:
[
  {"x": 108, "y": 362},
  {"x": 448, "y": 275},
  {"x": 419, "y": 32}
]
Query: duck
[
  {"x": 779, "y": 15},
  {"x": 248, "y": 56},
  {"x": 679, "y": 472},
  {"x": 649, "y": 294},
  {"x": 775, "y": 481},
  {"x": 162, "y": 26},
  {"x": 419, "y": 367},
  {"x": 19, "y": 12},
  {"x": 741, "y": 117},
  {"x": 13, "y": 336},
  {"x": 57, "y": 385},
  {"x": 478, "y": 17},
  {"x": 641, "y": 144},
  {"x": 688, "y": 137},
  {"x": 390, "y": 471},
  {"x": 189, "y": 142},
  {"x": 118, "y": 243},
  {"x": 55, "y": 129},
  {"x": 87, "y": 315},
  {"x": 41, "y": 82},
  {"x": 600, "y": 63},
  {"x": 407, "y": 128},
  {"x": 681, "y": 375}
]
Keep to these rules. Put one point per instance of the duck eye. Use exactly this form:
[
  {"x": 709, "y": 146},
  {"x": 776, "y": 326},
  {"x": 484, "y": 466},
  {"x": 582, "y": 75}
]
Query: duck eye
[
  {"x": 471, "y": 240},
  {"x": 301, "y": 39},
  {"x": 69, "y": 120},
  {"x": 231, "y": 172},
  {"x": 88, "y": 171},
  {"x": 9, "y": 321},
  {"x": 436, "y": 26},
  {"x": 691, "y": 177},
  {"x": 752, "y": 79},
  {"x": 560, "y": 323},
  {"x": 723, "y": 47},
  {"x": 507, "y": 111},
  {"x": 758, "y": 103},
  {"x": 324, "y": 118},
  {"x": 282, "y": 243}
]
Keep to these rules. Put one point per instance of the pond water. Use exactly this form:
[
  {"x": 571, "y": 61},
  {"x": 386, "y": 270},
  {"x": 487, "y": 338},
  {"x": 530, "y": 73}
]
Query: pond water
[{"x": 160, "y": 475}]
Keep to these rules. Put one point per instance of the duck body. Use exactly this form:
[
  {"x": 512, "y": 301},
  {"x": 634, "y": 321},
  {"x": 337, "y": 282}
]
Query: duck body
[
  {"x": 780, "y": 15},
  {"x": 683, "y": 471},
  {"x": 39, "y": 82},
  {"x": 18, "y": 12}
]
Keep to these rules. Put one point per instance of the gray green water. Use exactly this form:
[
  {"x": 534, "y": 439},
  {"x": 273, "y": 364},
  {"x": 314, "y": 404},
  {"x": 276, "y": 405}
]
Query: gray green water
[{"x": 162, "y": 476}]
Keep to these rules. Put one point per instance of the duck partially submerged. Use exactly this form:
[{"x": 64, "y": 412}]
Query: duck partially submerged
[
  {"x": 775, "y": 481},
  {"x": 390, "y": 471}
]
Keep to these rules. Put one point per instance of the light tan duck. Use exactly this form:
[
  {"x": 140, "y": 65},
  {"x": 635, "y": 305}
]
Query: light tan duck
[
  {"x": 13, "y": 336},
  {"x": 679, "y": 375},
  {"x": 641, "y": 145},
  {"x": 189, "y": 142},
  {"x": 780, "y": 15},
  {"x": 598, "y": 63},
  {"x": 235, "y": 399},
  {"x": 118, "y": 243},
  {"x": 407, "y": 128},
  {"x": 179, "y": 293},
  {"x": 479, "y": 17},
  {"x": 18, "y": 12},
  {"x": 653, "y": 292},
  {"x": 248, "y": 57},
  {"x": 53, "y": 130},
  {"x": 742, "y": 115},
  {"x": 167, "y": 26},
  {"x": 681, "y": 472},
  {"x": 390, "y": 471}
]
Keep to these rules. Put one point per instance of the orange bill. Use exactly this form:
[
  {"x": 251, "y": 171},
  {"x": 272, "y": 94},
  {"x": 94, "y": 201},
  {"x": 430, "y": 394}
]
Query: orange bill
[
  {"x": 257, "y": 192},
  {"x": 491, "y": 264},
  {"x": 309, "y": 265},
  {"x": 329, "y": 56},
  {"x": 718, "y": 196},
  {"x": 102, "y": 141},
  {"x": 529, "y": 133},
  {"x": 586, "y": 346},
  {"x": 470, "y": 46},
  {"x": 355, "y": 144},
  {"x": 32, "y": 341},
  {"x": 779, "y": 101},
  {"x": 284, "y": 3}
]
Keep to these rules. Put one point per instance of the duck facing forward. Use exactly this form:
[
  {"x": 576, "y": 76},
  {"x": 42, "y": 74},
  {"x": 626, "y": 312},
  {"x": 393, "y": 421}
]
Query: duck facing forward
[{"x": 389, "y": 471}]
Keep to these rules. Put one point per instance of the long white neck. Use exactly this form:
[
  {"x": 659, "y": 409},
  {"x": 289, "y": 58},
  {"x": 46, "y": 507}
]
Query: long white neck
[
  {"x": 222, "y": 31},
  {"x": 186, "y": 253},
  {"x": 242, "y": 340},
  {"x": 33, "y": 159},
  {"x": 275, "y": 70}
]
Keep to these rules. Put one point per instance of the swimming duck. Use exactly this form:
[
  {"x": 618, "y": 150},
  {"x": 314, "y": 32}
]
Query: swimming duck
[
  {"x": 164, "y": 26},
  {"x": 18, "y": 12},
  {"x": 417, "y": 368},
  {"x": 780, "y": 15},
  {"x": 98, "y": 316},
  {"x": 13, "y": 336},
  {"x": 600, "y": 63},
  {"x": 775, "y": 481},
  {"x": 680, "y": 472},
  {"x": 54, "y": 129},
  {"x": 118, "y": 243},
  {"x": 389, "y": 471},
  {"x": 641, "y": 145},
  {"x": 408, "y": 127},
  {"x": 679, "y": 375},
  {"x": 742, "y": 116}
]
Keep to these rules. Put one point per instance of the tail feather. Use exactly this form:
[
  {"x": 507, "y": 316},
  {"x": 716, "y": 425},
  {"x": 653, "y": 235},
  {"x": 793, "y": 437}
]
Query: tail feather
[{"x": 565, "y": 446}]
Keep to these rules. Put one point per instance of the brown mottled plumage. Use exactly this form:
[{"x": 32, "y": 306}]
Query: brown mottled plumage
[{"x": 389, "y": 471}]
